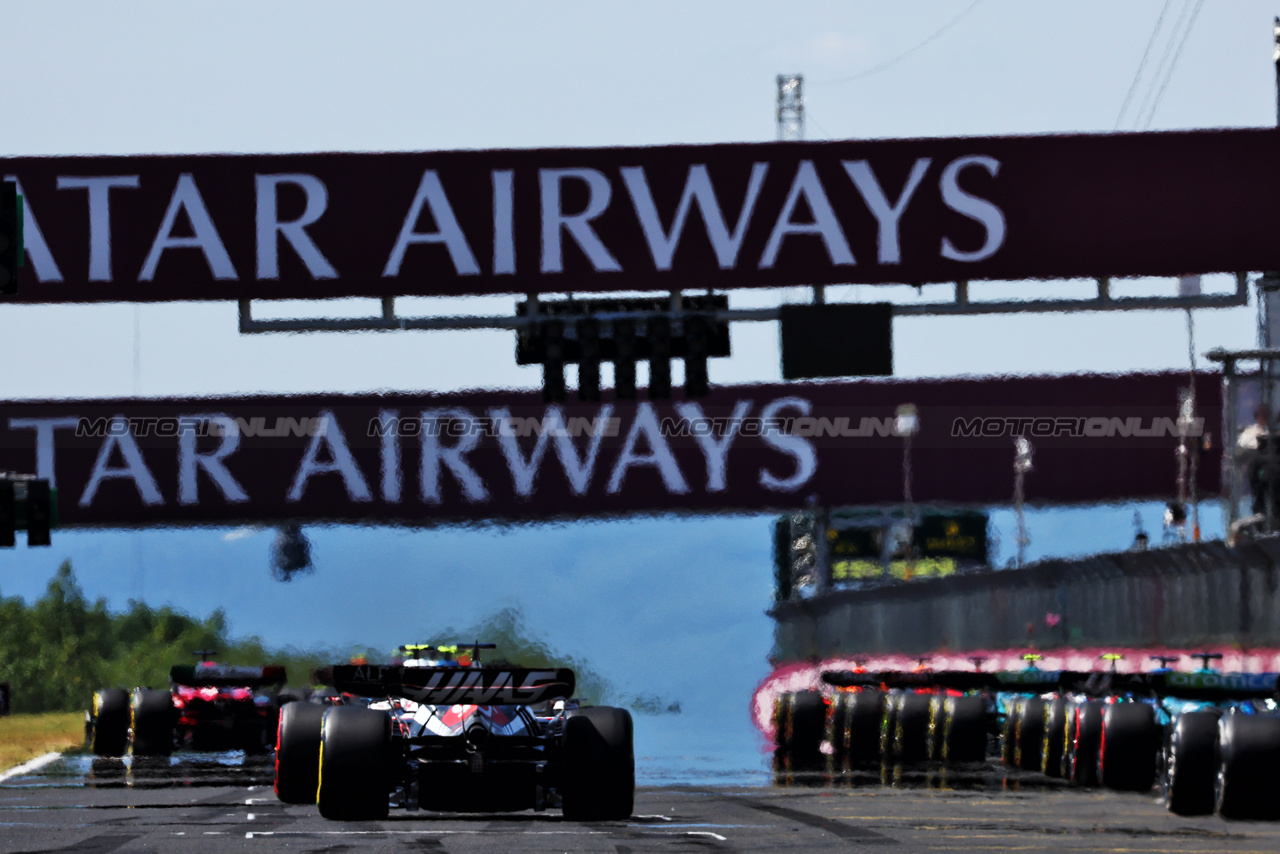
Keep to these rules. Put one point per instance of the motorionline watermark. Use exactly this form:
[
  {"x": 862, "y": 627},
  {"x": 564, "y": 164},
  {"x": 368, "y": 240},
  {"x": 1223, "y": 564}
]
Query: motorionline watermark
[
  {"x": 803, "y": 426},
  {"x": 1077, "y": 427},
  {"x": 457, "y": 426},
  {"x": 199, "y": 425}
]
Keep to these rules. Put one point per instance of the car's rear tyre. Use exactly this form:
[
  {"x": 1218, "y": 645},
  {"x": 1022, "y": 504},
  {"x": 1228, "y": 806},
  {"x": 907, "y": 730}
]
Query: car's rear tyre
[
  {"x": 1190, "y": 764},
  {"x": 1009, "y": 733},
  {"x": 110, "y": 722},
  {"x": 1030, "y": 734},
  {"x": 800, "y": 721},
  {"x": 966, "y": 730},
  {"x": 355, "y": 764},
  {"x": 908, "y": 733},
  {"x": 838, "y": 732},
  {"x": 1086, "y": 743},
  {"x": 854, "y": 729},
  {"x": 298, "y": 753},
  {"x": 599, "y": 772},
  {"x": 863, "y": 715},
  {"x": 151, "y": 722},
  {"x": 1248, "y": 757},
  {"x": 1054, "y": 749},
  {"x": 1130, "y": 745},
  {"x": 936, "y": 734}
]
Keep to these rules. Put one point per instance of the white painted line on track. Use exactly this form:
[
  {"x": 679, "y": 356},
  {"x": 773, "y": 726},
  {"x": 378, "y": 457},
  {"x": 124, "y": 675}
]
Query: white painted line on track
[
  {"x": 252, "y": 834},
  {"x": 28, "y": 767},
  {"x": 658, "y": 817},
  {"x": 434, "y": 832}
]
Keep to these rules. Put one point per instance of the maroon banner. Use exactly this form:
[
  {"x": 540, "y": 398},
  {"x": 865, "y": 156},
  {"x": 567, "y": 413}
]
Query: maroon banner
[
  {"x": 419, "y": 459},
  {"x": 216, "y": 227}
]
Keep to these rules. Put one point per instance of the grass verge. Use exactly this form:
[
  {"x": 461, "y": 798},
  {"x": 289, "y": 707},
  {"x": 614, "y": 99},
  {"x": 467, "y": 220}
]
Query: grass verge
[{"x": 24, "y": 737}]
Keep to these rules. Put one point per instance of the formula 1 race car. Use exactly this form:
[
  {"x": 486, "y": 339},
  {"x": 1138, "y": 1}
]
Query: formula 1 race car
[
  {"x": 1048, "y": 721},
  {"x": 1089, "y": 727},
  {"x": 209, "y": 707},
  {"x": 890, "y": 717},
  {"x": 1212, "y": 739},
  {"x": 426, "y": 735},
  {"x": 1222, "y": 742}
]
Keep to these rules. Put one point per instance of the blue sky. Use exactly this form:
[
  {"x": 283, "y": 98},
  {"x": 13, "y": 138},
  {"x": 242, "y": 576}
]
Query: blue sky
[{"x": 92, "y": 78}]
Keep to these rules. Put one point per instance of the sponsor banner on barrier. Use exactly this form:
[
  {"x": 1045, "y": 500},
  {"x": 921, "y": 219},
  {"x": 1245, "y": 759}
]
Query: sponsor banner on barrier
[
  {"x": 214, "y": 227},
  {"x": 423, "y": 458}
]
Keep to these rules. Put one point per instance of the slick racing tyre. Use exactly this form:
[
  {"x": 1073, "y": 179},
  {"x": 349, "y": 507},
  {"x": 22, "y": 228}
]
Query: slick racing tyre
[
  {"x": 1029, "y": 737},
  {"x": 355, "y": 764},
  {"x": 936, "y": 733},
  {"x": 1053, "y": 751},
  {"x": 838, "y": 732},
  {"x": 1248, "y": 756},
  {"x": 965, "y": 737},
  {"x": 1009, "y": 733},
  {"x": 110, "y": 722},
  {"x": 151, "y": 722},
  {"x": 1190, "y": 764},
  {"x": 855, "y": 729},
  {"x": 800, "y": 721},
  {"x": 1085, "y": 744},
  {"x": 599, "y": 771},
  {"x": 1130, "y": 744},
  {"x": 298, "y": 752},
  {"x": 906, "y": 734}
]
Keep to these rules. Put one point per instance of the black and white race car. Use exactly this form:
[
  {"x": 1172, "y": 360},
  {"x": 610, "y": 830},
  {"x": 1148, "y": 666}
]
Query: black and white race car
[{"x": 455, "y": 739}]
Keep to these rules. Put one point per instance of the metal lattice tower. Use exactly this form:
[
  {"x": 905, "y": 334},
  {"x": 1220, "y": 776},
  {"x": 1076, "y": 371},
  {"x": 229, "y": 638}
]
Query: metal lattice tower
[{"x": 790, "y": 107}]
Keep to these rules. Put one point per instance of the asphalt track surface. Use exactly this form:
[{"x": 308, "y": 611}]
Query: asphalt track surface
[{"x": 224, "y": 802}]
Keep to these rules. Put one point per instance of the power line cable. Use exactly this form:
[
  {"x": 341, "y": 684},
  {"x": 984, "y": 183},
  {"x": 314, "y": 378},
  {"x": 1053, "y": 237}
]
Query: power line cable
[
  {"x": 1169, "y": 74},
  {"x": 808, "y": 114},
  {"x": 882, "y": 66},
  {"x": 1133, "y": 87},
  {"x": 1161, "y": 66}
]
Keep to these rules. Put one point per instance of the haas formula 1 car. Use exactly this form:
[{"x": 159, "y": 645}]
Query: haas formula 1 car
[
  {"x": 209, "y": 706},
  {"x": 457, "y": 739}
]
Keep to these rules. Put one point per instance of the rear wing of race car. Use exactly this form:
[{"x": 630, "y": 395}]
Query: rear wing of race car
[
  {"x": 210, "y": 675},
  {"x": 1211, "y": 686},
  {"x": 448, "y": 686},
  {"x": 956, "y": 680},
  {"x": 1027, "y": 681},
  {"x": 1205, "y": 685}
]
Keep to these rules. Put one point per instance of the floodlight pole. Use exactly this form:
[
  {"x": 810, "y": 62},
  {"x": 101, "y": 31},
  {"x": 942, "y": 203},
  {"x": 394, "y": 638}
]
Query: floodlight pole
[
  {"x": 1275, "y": 57},
  {"x": 906, "y": 423},
  {"x": 1192, "y": 443},
  {"x": 790, "y": 107},
  {"x": 1021, "y": 465}
]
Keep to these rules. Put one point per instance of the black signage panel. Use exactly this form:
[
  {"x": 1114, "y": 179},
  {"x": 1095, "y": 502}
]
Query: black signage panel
[
  {"x": 314, "y": 226},
  {"x": 958, "y": 535},
  {"x": 837, "y": 340},
  {"x": 428, "y": 458}
]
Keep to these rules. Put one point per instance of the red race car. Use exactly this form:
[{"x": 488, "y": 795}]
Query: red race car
[{"x": 209, "y": 707}]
